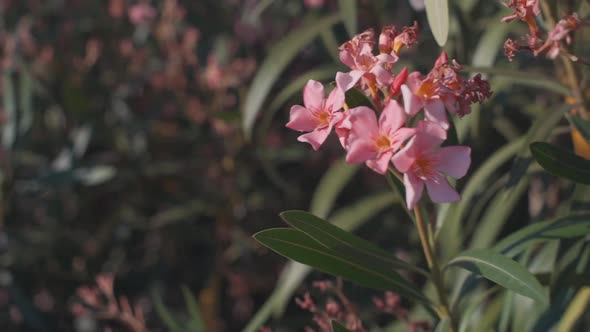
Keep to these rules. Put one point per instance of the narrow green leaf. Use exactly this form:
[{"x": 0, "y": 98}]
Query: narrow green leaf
[
  {"x": 501, "y": 270},
  {"x": 443, "y": 326},
  {"x": 337, "y": 327},
  {"x": 582, "y": 125},
  {"x": 348, "y": 11},
  {"x": 164, "y": 314},
  {"x": 9, "y": 110},
  {"x": 563, "y": 228},
  {"x": 523, "y": 78},
  {"x": 437, "y": 13},
  {"x": 196, "y": 322},
  {"x": 299, "y": 247},
  {"x": 342, "y": 241},
  {"x": 489, "y": 44},
  {"x": 561, "y": 162},
  {"x": 281, "y": 54},
  {"x": 330, "y": 187},
  {"x": 348, "y": 218},
  {"x": 355, "y": 97}
]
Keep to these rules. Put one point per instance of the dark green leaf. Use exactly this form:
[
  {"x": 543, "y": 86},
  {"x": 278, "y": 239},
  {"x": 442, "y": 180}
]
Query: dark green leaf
[
  {"x": 299, "y": 247},
  {"x": 561, "y": 162},
  {"x": 582, "y": 125},
  {"x": 348, "y": 12},
  {"x": 342, "y": 241},
  {"x": 501, "y": 270},
  {"x": 562, "y": 228},
  {"x": 337, "y": 327},
  {"x": 355, "y": 97}
]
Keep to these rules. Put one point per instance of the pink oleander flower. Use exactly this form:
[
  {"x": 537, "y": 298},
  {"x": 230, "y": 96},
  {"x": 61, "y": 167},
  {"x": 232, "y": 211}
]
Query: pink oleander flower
[
  {"x": 386, "y": 38},
  {"x": 318, "y": 116},
  {"x": 443, "y": 87},
  {"x": 526, "y": 11},
  {"x": 375, "y": 142},
  {"x": 561, "y": 31},
  {"x": 357, "y": 54},
  {"x": 408, "y": 38},
  {"x": 510, "y": 48},
  {"x": 424, "y": 163},
  {"x": 141, "y": 13}
]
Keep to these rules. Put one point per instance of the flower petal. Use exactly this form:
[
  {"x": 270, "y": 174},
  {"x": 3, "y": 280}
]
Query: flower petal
[
  {"x": 335, "y": 100},
  {"x": 412, "y": 103},
  {"x": 405, "y": 158},
  {"x": 360, "y": 150},
  {"x": 313, "y": 95},
  {"x": 301, "y": 119},
  {"x": 346, "y": 81},
  {"x": 381, "y": 163},
  {"x": 382, "y": 75},
  {"x": 453, "y": 160},
  {"x": 441, "y": 191},
  {"x": 316, "y": 138},
  {"x": 363, "y": 122},
  {"x": 414, "y": 189},
  {"x": 434, "y": 111},
  {"x": 392, "y": 118}
]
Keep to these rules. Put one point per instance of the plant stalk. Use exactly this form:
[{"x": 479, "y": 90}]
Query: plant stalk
[{"x": 435, "y": 272}]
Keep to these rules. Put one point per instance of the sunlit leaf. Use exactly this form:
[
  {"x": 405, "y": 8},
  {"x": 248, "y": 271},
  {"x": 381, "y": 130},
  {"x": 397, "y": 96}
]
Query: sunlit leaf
[
  {"x": 562, "y": 228},
  {"x": 501, "y": 270},
  {"x": 561, "y": 162},
  {"x": 575, "y": 310},
  {"x": 330, "y": 187},
  {"x": 437, "y": 13}
]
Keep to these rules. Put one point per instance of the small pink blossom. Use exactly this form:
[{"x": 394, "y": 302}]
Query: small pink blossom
[
  {"x": 357, "y": 54},
  {"x": 424, "y": 163},
  {"x": 141, "y": 13},
  {"x": 526, "y": 11},
  {"x": 375, "y": 142},
  {"x": 419, "y": 93},
  {"x": 561, "y": 31},
  {"x": 318, "y": 116},
  {"x": 408, "y": 38}
]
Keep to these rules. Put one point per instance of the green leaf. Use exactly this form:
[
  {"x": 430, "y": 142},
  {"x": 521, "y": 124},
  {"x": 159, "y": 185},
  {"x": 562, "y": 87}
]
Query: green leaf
[
  {"x": 561, "y": 162},
  {"x": 280, "y": 55},
  {"x": 437, "y": 13},
  {"x": 355, "y": 97},
  {"x": 337, "y": 327},
  {"x": 299, "y": 247},
  {"x": 582, "y": 125},
  {"x": 330, "y": 187},
  {"x": 342, "y": 241},
  {"x": 489, "y": 44},
  {"x": 196, "y": 322},
  {"x": 563, "y": 228},
  {"x": 348, "y": 11},
  {"x": 443, "y": 326},
  {"x": 501, "y": 270},
  {"x": 347, "y": 218},
  {"x": 164, "y": 314},
  {"x": 523, "y": 78}
]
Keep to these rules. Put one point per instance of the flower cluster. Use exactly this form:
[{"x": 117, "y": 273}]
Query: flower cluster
[
  {"x": 382, "y": 137},
  {"x": 527, "y": 11}
]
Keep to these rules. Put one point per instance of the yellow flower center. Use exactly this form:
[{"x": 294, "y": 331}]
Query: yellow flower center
[{"x": 382, "y": 143}]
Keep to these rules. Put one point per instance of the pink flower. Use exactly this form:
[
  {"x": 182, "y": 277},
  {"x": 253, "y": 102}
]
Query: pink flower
[
  {"x": 357, "y": 54},
  {"x": 375, "y": 143},
  {"x": 420, "y": 93},
  {"x": 524, "y": 10},
  {"x": 141, "y": 13},
  {"x": 423, "y": 162},
  {"x": 561, "y": 31},
  {"x": 318, "y": 116}
]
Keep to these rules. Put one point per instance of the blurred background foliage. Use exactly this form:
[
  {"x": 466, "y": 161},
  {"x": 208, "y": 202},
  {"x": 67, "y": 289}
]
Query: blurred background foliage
[{"x": 146, "y": 139}]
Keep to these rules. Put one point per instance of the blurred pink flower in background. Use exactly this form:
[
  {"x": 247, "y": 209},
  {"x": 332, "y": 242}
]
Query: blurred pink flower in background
[
  {"x": 141, "y": 13},
  {"x": 314, "y": 3}
]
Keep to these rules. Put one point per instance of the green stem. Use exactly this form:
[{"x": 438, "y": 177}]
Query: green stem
[{"x": 435, "y": 272}]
